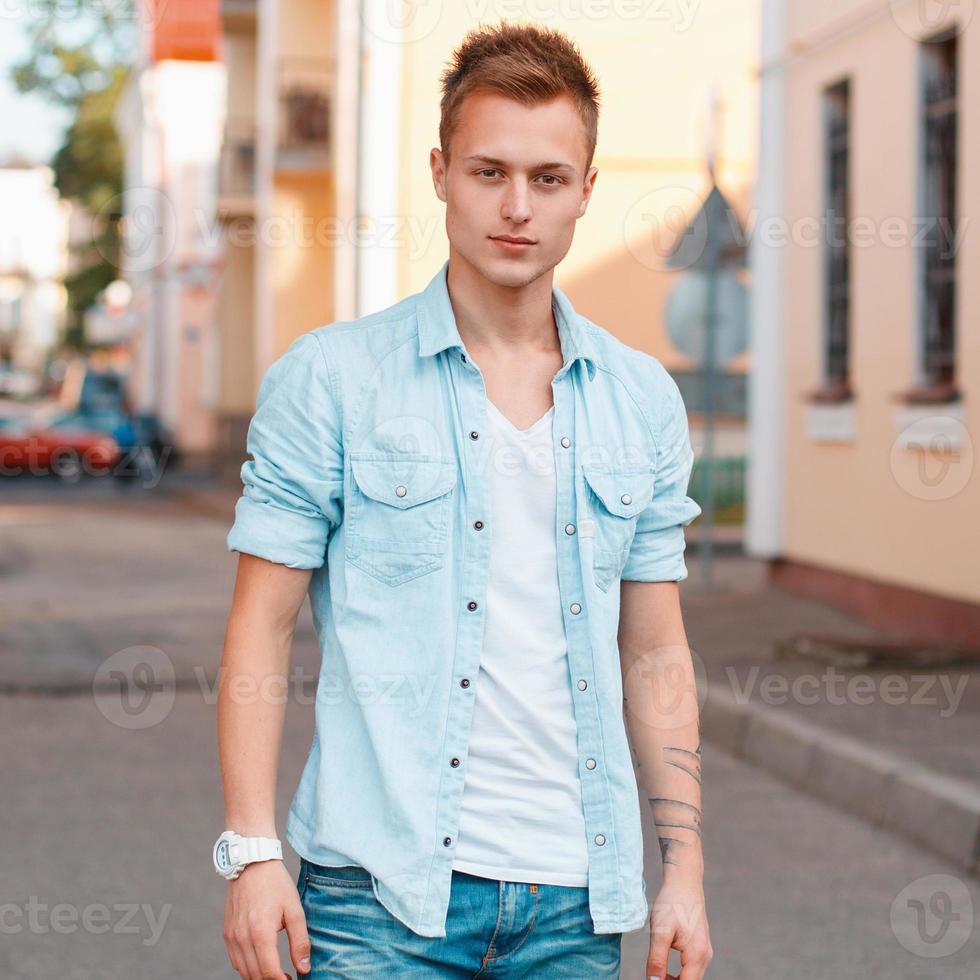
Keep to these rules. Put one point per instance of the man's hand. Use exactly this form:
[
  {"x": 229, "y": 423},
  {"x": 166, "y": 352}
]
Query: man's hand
[
  {"x": 679, "y": 921},
  {"x": 262, "y": 900}
]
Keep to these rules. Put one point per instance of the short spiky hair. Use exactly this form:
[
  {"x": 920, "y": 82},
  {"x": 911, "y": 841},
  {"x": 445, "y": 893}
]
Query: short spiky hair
[{"x": 524, "y": 62}]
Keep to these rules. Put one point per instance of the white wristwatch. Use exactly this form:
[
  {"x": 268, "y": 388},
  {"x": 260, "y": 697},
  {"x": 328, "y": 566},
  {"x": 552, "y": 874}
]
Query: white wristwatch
[{"x": 232, "y": 852}]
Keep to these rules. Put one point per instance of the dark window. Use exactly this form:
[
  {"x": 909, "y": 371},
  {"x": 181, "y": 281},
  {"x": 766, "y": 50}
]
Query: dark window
[
  {"x": 837, "y": 266},
  {"x": 938, "y": 268}
]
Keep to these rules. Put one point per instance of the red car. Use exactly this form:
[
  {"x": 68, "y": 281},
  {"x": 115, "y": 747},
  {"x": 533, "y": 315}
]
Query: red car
[{"x": 54, "y": 441}]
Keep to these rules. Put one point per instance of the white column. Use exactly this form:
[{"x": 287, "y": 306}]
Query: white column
[
  {"x": 765, "y": 478},
  {"x": 378, "y": 169}
]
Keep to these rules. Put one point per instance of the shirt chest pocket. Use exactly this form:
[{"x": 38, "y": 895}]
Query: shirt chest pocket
[
  {"x": 397, "y": 514},
  {"x": 615, "y": 499}
]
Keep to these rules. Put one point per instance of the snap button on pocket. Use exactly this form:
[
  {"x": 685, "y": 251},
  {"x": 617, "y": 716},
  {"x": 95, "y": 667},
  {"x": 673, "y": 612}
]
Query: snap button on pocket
[
  {"x": 616, "y": 498},
  {"x": 397, "y": 513}
]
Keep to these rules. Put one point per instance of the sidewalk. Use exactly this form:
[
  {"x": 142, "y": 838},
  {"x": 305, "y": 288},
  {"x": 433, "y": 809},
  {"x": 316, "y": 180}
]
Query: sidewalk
[{"x": 899, "y": 746}]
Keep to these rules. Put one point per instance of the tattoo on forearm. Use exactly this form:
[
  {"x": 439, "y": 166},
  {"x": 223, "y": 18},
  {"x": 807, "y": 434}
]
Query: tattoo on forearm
[
  {"x": 670, "y": 848},
  {"x": 685, "y": 760},
  {"x": 675, "y": 813}
]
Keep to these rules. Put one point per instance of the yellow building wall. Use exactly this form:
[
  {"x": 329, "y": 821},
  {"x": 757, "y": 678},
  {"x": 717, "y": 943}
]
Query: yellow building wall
[
  {"x": 868, "y": 507},
  {"x": 300, "y": 243},
  {"x": 654, "y": 75}
]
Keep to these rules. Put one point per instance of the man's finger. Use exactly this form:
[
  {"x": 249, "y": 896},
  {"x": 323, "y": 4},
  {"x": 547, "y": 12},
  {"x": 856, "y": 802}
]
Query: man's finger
[
  {"x": 294, "y": 919},
  {"x": 267, "y": 951},
  {"x": 660, "y": 940}
]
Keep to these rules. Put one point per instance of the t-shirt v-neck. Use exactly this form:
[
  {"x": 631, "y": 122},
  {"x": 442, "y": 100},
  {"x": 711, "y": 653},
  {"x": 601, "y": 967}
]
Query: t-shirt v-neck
[{"x": 521, "y": 432}]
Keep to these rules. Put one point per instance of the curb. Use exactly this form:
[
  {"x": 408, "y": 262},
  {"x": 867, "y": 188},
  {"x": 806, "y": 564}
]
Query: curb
[{"x": 939, "y": 812}]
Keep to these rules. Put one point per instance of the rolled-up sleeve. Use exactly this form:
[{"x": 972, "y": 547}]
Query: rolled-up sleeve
[
  {"x": 657, "y": 551},
  {"x": 292, "y": 487}
]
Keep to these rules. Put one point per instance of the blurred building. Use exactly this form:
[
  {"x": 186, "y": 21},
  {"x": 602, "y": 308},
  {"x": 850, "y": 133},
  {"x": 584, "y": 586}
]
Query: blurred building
[
  {"x": 33, "y": 261},
  {"x": 866, "y": 376},
  {"x": 171, "y": 119},
  {"x": 325, "y": 209}
]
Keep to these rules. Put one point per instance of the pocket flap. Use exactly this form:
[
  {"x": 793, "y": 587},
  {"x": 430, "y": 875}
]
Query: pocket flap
[
  {"x": 624, "y": 494},
  {"x": 403, "y": 479}
]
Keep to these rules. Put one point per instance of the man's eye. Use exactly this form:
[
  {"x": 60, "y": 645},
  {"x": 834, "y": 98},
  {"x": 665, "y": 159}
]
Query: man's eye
[
  {"x": 557, "y": 180},
  {"x": 487, "y": 170}
]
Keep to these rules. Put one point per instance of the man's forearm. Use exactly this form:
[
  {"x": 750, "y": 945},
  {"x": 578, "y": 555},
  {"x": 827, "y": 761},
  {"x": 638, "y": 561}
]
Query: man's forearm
[
  {"x": 252, "y": 695},
  {"x": 664, "y": 729}
]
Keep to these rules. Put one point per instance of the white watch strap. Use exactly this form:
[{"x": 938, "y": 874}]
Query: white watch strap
[{"x": 259, "y": 849}]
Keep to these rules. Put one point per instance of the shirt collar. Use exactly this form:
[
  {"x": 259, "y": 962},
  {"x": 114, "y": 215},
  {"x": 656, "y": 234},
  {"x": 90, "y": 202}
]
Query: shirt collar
[{"x": 438, "y": 330}]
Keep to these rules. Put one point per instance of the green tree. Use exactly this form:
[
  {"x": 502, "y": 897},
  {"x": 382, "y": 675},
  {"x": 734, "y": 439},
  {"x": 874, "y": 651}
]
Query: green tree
[{"x": 80, "y": 60}]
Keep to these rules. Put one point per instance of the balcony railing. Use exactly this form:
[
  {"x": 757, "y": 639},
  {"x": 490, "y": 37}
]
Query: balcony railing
[{"x": 305, "y": 113}]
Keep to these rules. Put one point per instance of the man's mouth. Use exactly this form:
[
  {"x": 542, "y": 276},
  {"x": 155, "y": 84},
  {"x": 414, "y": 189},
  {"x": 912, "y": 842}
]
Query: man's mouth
[{"x": 512, "y": 244}]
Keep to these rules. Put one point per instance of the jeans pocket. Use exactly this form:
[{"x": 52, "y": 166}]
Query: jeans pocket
[
  {"x": 347, "y": 876},
  {"x": 398, "y": 513}
]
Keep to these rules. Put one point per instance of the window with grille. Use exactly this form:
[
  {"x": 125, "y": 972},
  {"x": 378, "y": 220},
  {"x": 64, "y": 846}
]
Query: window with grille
[
  {"x": 837, "y": 259},
  {"x": 938, "y": 267}
]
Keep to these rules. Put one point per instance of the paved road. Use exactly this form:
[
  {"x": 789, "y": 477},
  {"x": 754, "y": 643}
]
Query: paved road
[
  {"x": 97, "y": 815},
  {"x": 107, "y": 826}
]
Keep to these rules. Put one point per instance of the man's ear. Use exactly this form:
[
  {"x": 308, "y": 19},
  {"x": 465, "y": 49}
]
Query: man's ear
[
  {"x": 587, "y": 189},
  {"x": 437, "y": 165}
]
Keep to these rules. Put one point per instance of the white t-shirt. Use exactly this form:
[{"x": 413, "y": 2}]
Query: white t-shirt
[{"x": 521, "y": 813}]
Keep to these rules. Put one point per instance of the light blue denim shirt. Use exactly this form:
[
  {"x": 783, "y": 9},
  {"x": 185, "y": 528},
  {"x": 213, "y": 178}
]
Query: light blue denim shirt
[{"x": 370, "y": 465}]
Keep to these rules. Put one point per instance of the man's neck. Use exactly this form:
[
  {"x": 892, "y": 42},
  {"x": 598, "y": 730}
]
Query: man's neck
[{"x": 501, "y": 320}]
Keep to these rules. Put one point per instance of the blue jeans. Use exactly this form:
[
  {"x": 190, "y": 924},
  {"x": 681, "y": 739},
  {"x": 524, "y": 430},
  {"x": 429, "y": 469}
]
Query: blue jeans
[{"x": 493, "y": 929}]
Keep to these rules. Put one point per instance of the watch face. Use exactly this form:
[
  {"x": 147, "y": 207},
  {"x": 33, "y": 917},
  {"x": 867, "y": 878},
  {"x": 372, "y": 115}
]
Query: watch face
[{"x": 222, "y": 856}]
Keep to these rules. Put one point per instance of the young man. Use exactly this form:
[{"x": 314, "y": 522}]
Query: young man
[{"x": 484, "y": 495}]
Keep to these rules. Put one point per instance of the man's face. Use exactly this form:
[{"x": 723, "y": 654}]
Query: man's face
[{"x": 515, "y": 171}]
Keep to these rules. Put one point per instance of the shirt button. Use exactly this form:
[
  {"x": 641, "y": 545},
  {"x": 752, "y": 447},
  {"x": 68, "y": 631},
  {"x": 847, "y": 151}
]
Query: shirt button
[
  {"x": 566, "y": 442},
  {"x": 454, "y": 763},
  {"x": 569, "y": 528},
  {"x": 590, "y": 763},
  {"x": 583, "y": 684},
  {"x": 474, "y": 435},
  {"x": 478, "y": 525},
  {"x": 575, "y": 608},
  {"x": 471, "y": 605},
  {"x": 446, "y": 841},
  {"x": 400, "y": 490},
  {"x": 599, "y": 839},
  {"x": 465, "y": 682},
  {"x": 462, "y": 357},
  {"x": 626, "y": 498}
]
